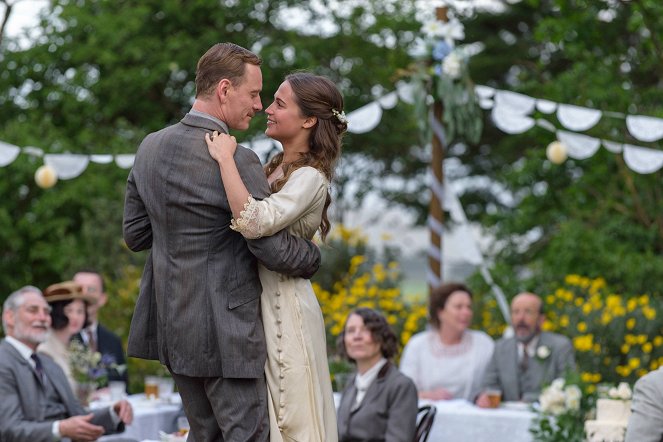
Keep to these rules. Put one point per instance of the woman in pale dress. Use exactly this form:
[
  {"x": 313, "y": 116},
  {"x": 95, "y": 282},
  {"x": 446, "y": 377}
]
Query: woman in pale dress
[
  {"x": 448, "y": 361},
  {"x": 307, "y": 118},
  {"x": 68, "y": 305}
]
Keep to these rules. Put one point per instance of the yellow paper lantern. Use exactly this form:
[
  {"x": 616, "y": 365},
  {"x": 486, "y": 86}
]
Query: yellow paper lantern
[
  {"x": 46, "y": 177},
  {"x": 556, "y": 152}
]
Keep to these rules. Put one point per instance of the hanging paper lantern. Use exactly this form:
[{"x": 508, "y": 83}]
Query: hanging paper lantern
[
  {"x": 46, "y": 177},
  {"x": 556, "y": 152}
]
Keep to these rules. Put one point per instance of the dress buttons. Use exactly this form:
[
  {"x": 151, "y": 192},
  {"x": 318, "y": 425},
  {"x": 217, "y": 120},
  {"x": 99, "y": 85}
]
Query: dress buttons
[
  {"x": 281, "y": 389},
  {"x": 278, "y": 293},
  {"x": 278, "y": 321},
  {"x": 278, "y": 335},
  {"x": 278, "y": 306},
  {"x": 282, "y": 376},
  {"x": 279, "y": 349}
]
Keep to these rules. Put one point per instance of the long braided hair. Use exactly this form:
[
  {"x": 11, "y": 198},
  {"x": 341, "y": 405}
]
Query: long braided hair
[{"x": 318, "y": 97}]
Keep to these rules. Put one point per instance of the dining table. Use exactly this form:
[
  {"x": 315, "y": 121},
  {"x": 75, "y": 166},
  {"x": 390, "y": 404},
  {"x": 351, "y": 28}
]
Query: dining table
[
  {"x": 151, "y": 417},
  {"x": 462, "y": 421}
]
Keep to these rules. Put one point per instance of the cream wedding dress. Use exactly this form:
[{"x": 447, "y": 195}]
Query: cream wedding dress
[{"x": 301, "y": 403}]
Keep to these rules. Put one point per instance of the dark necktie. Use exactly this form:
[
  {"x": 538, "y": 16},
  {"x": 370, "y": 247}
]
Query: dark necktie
[
  {"x": 39, "y": 369},
  {"x": 524, "y": 362},
  {"x": 91, "y": 341}
]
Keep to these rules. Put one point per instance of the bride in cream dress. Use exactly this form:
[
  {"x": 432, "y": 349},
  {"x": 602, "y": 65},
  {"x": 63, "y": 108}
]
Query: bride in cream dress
[{"x": 306, "y": 117}]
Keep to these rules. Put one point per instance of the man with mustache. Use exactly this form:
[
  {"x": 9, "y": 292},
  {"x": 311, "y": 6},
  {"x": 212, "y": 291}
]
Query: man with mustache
[
  {"x": 522, "y": 364},
  {"x": 37, "y": 403}
]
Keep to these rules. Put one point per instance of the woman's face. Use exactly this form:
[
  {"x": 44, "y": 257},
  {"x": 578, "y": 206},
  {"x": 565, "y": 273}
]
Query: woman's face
[
  {"x": 359, "y": 342},
  {"x": 75, "y": 313},
  {"x": 457, "y": 312},
  {"x": 285, "y": 122}
]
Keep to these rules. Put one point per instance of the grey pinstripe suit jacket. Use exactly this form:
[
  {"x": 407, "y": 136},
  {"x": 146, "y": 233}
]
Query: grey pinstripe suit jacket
[
  {"x": 199, "y": 305},
  {"x": 22, "y": 400}
]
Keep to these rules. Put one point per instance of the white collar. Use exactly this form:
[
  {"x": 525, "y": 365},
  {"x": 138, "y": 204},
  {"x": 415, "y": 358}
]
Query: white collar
[
  {"x": 23, "y": 349},
  {"x": 363, "y": 381}
]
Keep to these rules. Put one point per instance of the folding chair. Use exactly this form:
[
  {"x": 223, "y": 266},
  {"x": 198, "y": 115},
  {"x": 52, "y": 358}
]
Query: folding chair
[{"x": 425, "y": 418}]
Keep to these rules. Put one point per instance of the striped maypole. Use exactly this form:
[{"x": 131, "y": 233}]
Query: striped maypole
[{"x": 435, "y": 213}]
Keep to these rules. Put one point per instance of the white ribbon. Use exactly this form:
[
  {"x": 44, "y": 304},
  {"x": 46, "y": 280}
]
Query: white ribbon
[
  {"x": 577, "y": 118},
  {"x": 645, "y": 128},
  {"x": 642, "y": 159},
  {"x": 8, "y": 153},
  {"x": 613, "y": 147},
  {"x": 545, "y": 106},
  {"x": 510, "y": 122},
  {"x": 67, "y": 165},
  {"x": 518, "y": 103},
  {"x": 365, "y": 119},
  {"x": 125, "y": 161},
  {"x": 101, "y": 159},
  {"x": 579, "y": 146},
  {"x": 389, "y": 101}
]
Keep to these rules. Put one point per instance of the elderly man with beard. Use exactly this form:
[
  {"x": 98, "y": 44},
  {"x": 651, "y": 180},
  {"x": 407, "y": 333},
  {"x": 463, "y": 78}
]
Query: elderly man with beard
[
  {"x": 524, "y": 363},
  {"x": 37, "y": 403}
]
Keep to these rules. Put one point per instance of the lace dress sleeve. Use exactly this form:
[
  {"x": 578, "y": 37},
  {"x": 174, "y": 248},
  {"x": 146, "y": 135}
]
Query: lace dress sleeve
[
  {"x": 306, "y": 189},
  {"x": 248, "y": 223}
]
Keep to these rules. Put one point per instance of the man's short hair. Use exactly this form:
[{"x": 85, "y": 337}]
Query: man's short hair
[{"x": 223, "y": 60}]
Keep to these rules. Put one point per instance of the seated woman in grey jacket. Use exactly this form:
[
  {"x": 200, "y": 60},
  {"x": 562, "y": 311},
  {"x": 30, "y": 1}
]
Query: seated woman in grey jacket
[{"x": 379, "y": 403}]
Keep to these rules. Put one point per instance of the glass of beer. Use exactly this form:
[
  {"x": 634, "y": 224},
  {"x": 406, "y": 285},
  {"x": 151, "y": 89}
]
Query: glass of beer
[
  {"x": 151, "y": 387},
  {"x": 494, "y": 397}
]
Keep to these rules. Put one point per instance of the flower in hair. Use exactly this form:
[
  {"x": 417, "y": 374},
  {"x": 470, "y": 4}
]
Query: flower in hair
[{"x": 340, "y": 115}]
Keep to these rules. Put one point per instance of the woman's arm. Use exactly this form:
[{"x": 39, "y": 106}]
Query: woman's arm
[
  {"x": 304, "y": 191},
  {"x": 222, "y": 148}
]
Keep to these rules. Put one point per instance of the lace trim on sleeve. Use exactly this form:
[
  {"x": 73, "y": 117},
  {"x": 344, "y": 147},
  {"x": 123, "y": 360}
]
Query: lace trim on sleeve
[{"x": 248, "y": 223}]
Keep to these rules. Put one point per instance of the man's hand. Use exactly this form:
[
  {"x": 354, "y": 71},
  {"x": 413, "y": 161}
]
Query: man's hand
[
  {"x": 439, "y": 394},
  {"x": 80, "y": 428},
  {"x": 124, "y": 411},
  {"x": 483, "y": 401}
]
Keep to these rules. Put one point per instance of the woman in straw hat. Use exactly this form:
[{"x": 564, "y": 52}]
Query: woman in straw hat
[{"x": 69, "y": 315}]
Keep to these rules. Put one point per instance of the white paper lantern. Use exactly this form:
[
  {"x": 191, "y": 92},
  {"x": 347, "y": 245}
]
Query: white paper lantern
[
  {"x": 46, "y": 177},
  {"x": 556, "y": 152}
]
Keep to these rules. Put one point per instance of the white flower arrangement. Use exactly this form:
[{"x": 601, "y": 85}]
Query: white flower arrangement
[
  {"x": 623, "y": 392},
  {"x": 542, "y": 352},
  {"x": 558, "y": 398}
]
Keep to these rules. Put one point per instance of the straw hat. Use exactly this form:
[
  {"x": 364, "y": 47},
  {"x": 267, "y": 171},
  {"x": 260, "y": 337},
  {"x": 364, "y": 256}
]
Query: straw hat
[{"x": 64, "y": 291}]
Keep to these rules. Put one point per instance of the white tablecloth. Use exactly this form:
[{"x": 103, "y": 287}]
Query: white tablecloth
[
  {"x": 150, "y": 417},
  {"x": 461, "y": 421}
]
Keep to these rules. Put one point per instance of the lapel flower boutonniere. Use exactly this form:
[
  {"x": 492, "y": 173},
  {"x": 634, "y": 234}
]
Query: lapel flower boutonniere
[{"x": 542, "y": 352}]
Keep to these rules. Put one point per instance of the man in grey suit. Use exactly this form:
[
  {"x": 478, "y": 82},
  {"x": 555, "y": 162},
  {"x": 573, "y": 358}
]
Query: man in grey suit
[
  {"x": 522, "y": 364},
  {"x": 37, "y": 403},
  {"x": 646, "y": 421},
  {"x": 198, "y": 311}
]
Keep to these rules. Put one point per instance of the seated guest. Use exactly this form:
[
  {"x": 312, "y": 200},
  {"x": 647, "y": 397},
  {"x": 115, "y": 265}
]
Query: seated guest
[
  {"x": 522, "y": 364},
  {"x": 448, "y": 361},
  {"x": 68, "y": 317},
  {"x": 37, "y": 403},
  {"x": 379, "y": 404},
  {"x": 646, "y": 421}
]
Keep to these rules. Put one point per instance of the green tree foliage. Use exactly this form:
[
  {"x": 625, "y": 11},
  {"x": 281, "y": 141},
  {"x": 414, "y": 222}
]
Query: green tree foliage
[
  {"x": 104, "y": 73},
  {"x": 593, "y": 217}
]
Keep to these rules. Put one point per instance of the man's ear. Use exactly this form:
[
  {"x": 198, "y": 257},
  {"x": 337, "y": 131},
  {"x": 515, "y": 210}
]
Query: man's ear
[
  {"x": 222, "y": 89},
  {"x": 310, "y": 122}
]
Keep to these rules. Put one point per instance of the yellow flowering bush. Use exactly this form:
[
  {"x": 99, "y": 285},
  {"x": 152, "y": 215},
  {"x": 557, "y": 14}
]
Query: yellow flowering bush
[{"x": 363, "y": 280}]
